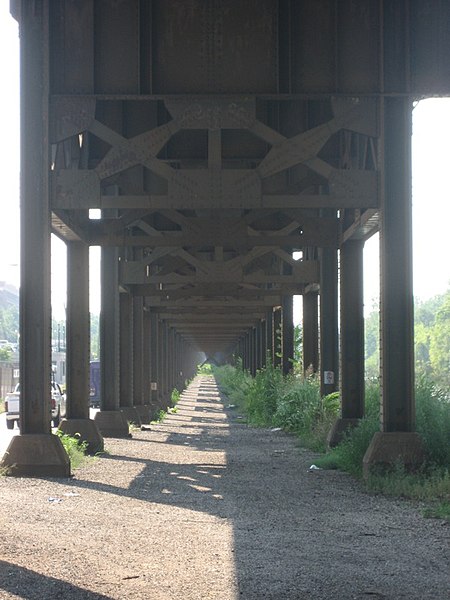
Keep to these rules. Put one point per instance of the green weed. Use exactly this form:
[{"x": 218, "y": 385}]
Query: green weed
[
  {"x": 175, "y": 396},
  {"x": 75, "y": 448}
]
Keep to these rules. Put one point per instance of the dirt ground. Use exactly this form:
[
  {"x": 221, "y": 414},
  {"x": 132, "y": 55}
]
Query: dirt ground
[{"x": 203, "y": 507}]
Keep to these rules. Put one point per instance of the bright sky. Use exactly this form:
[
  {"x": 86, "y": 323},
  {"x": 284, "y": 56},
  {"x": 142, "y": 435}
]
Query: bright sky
[{"x": 431, "y": 194}]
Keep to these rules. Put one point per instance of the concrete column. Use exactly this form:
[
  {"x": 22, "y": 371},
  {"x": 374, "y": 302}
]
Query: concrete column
[
  {"x": 352, "y": 339},
  {"x": 329, "y": 356},
  {"x": 138, "y": 358},
  {"x": 127, "y": 359},
  {"x": 78, "y": 350},
  {"x": 276, "y": 336},
  {"x": 154, "y": 361},
  {"x": 287, "y": 321},
  {"x": 110, "y": 420},
  {"x": 397, "y": 441},
  {"x": 126, "y": 380},
  {"x": 269, "y": 335},
  {"x": 310, "y": 332},
  {"x": 146, "y": 375},
  {"x": 37, "y": 453},
  {"x": 263, "y": 329}
]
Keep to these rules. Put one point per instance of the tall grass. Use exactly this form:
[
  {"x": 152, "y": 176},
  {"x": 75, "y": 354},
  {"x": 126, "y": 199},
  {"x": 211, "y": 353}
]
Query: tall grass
[
  {"x": 271, "y": 400},
  {"x": 294, "y": 404}
]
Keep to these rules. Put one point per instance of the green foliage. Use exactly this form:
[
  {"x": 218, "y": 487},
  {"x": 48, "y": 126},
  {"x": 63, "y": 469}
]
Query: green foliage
[
  {"x": 5, "y": 353},
  {"x": 439, "y": 511},
  {"x": 9, "y": 322},
  {"x": 75, "y": 448},
  {"x": 175, "y": 396},
  {"x": 205, "y": 369},
  {"x": 292, "y": 403},
  {"x": 432, "y": 483},
  {"x": 159, "y": 417},
  {"x": 433, "y": 421}
]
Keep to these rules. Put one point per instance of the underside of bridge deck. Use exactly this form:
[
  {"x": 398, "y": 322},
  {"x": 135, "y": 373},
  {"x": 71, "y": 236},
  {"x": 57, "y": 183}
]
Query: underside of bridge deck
[{"x": 236, "y": 151}]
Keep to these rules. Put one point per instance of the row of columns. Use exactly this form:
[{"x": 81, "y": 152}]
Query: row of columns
[
  {"x": 38, "y": 452},
  {"x": 336, "y": 348}
]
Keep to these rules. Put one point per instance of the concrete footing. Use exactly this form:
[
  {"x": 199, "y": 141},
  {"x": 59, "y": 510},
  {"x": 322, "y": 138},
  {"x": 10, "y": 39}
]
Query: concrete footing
[
  {"x": 338, "y": 430},
  {"x": 112, "y": 423},
  {"x": 131, "y": 415},
  {"x": 388, "y": 449},
  {"x": 144, "y": 412},
  {"x": 87, "y": 431},
  {"x": 36, "y": 455}
]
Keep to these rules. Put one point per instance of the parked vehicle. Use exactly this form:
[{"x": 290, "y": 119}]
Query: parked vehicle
[
  {"x": 57, "y": 405},
  {"x": 94, "y": 384}
]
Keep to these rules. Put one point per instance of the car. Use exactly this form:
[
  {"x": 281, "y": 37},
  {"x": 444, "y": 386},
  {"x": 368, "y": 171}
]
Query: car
[{"x": 57, "y": 404}]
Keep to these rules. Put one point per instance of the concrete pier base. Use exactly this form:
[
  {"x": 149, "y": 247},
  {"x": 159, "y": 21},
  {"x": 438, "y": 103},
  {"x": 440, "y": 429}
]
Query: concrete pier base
[
  {"x": 87, "y": 431},
  {"x": 338, "y": 430},
  {"x": 36, "y": 455},
  {"x": 112, "y": 423},
  {"x": 131, "y": 415},
  {"x": 388, "y": 449},
  {"x": 144, "y": 412}
]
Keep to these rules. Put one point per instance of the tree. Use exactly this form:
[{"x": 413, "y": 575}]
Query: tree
[{"x": 440, "y": 345}]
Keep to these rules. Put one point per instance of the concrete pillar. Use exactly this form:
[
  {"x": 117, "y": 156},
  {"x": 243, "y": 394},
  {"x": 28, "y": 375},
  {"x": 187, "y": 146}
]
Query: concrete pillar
[
  {"x": 126, "y": 381},
  {"x": 37, "y": 452},
  {"x": 269, "y": 336},
  {"x": 127, "y": 359},
  {"x": 397, "y": 440},
  {"x": 146, "y": 371},
  {"x": 138, "y": 360},
  {"x": 310, "y": 332},
  {"x": 352, "y": 339},
  {"x": 263, "y": 329},
  {"x": 154, "y": 361},
  {"x": 110, "y": 420},
  {"x": 78, "y": 350},
  {"x": 276, "y": 337},
  {"x": 287, "y": 337},
  {"x": 329, "y": 356}
]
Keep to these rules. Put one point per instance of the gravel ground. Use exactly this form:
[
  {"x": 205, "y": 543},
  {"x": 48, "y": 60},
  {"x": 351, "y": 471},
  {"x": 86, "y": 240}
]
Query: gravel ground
[{"x": 201, "y": 506}]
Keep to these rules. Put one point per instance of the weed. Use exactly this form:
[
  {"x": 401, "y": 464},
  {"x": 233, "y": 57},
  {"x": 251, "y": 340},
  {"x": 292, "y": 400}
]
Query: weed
[
  {"x": 175, "y": 397},
  {"x": 205, "y": 369},
  {"x": 75, "y": 448},
  {"x": 438, "y": 511},
  {"x": 159, "y": 417},
  {"x": 172, "y": 410}
]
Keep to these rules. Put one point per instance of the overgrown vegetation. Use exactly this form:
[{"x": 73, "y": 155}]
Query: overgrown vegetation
[
  {"x": 271, "y": 400},
  {"x": 431, "y": 340},
  {"x": 294, "y": 404},
  {"x": 75, "y": 448}
]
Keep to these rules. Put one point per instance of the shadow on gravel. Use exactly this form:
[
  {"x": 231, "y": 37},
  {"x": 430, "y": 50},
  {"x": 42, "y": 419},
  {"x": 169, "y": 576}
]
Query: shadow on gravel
[{"x": 29, "y": 585}]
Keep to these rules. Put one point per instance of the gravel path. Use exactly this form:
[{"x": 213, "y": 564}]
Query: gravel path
[{"x": 201, "y": 506}]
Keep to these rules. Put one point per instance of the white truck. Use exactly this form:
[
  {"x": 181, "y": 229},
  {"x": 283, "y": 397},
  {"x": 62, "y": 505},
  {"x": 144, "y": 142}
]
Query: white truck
[{"x": 57, "y": 404}]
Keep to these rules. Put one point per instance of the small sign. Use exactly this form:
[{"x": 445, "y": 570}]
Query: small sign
[
  {"x": 16, "y": 373},
  {"x": 153, "y": 386},
  {"x": 328, "y": 377}
]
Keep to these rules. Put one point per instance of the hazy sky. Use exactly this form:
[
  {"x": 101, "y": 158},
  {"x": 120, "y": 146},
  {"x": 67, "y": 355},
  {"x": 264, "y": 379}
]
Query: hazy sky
[{"x": 431, "y": 194}]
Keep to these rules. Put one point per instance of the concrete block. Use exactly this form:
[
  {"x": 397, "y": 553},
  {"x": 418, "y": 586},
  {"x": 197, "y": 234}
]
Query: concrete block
[
  {"x": 87, "y": 430},
  {"x": 338, "y": 430},
  {"x": 112, "y": 423},
  {"x": 36, "y": 455},
  {"x": 131, "y": 415},
  {"x": 144, "y": 412},
  {"x": 388, "y": 449}
]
